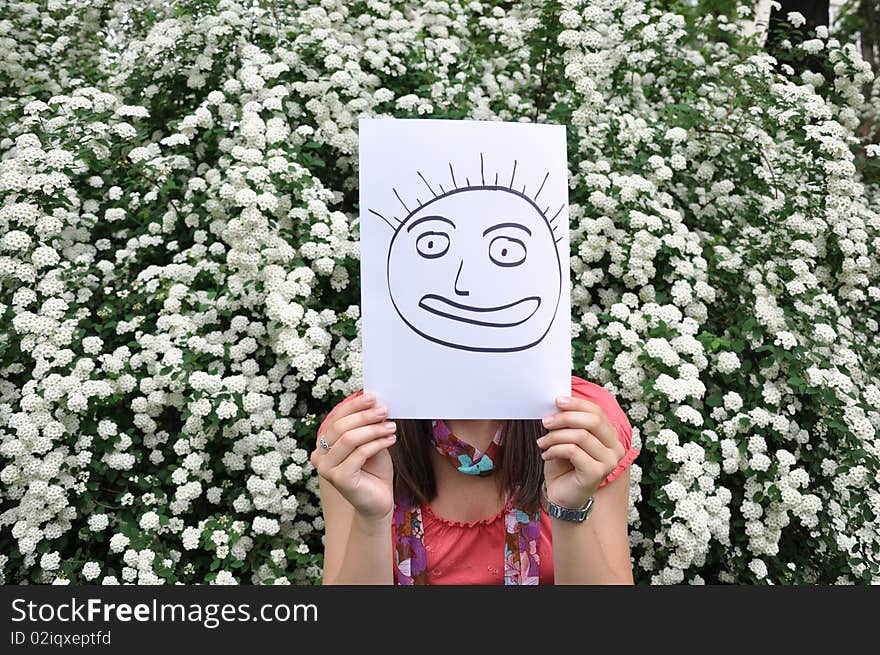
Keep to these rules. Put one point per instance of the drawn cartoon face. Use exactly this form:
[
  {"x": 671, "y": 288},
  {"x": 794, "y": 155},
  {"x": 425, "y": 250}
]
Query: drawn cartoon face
[{"x": 469, "y": 270}]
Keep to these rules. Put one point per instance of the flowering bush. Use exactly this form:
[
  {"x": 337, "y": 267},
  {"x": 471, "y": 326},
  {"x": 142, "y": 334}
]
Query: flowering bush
[{"x": 179, "y": 273}]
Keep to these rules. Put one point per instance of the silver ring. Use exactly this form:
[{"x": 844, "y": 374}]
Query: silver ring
[{"x": 323, "y": 442}]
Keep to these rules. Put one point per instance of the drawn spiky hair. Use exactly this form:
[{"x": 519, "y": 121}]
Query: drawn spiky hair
[{"x": 455, "y": 188}]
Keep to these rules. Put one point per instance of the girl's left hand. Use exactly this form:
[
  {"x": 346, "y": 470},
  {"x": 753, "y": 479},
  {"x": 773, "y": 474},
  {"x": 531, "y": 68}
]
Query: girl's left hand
[{"x": 580, "y": 449}]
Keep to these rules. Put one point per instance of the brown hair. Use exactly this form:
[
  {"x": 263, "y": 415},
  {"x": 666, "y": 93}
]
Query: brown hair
[{"x": 520, "y": 469}]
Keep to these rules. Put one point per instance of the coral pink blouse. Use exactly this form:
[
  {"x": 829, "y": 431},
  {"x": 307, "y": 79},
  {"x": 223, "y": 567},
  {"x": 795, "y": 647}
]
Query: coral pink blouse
[{"x": 472, "y": 553}]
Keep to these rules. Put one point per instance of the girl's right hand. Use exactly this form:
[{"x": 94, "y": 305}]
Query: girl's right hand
[{"x": 358, "y": 463}]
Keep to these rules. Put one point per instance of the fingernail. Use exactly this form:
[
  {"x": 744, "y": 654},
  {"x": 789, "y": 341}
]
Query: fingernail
[
  {"x": 389, "y": 425},
  {"x": 563, "y": 400},
  {"x": 542, "y": 441},
  {"x": 391, "y": 437},
  {"x": 380, "y": 411},
  {"x": 369, "y": 397},
  {"x": 547, "y": 421}
]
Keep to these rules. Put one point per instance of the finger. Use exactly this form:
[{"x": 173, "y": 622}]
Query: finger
[
  {"x": 578, "y": 405},
  {"x": 584, "y": 439},
  {"x": 349, "y": 406},
  {"x": 359, "y": 456},
  {"x": 335, "y": 430},
  {"x": 353, "y": 439},
  {"x": 609, "y": 434},
  {"x": 598, "y": 424},
  {"x": 567, "y": 451},
  {"x": 373, "y": 414},
  {"x": 335, "y": 424}
]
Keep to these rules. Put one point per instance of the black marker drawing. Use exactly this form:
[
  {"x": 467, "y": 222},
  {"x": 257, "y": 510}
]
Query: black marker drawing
[{"x": 476, "y": 267}]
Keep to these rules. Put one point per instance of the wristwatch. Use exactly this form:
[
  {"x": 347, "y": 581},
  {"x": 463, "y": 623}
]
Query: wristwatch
[{"x": 565, "y": 513}]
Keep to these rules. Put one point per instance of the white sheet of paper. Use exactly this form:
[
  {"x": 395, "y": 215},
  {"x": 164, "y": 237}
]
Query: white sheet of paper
[{"x": 465, "y": 289}]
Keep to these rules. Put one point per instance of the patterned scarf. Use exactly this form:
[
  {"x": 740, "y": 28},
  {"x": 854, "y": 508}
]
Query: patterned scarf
[{"x": 521, "y": 558}]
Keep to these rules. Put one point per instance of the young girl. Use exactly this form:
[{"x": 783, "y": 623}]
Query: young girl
[{"x": 477, "y": 501}]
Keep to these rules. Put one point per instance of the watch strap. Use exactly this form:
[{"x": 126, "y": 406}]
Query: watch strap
[{"x": 565, "y": 513}]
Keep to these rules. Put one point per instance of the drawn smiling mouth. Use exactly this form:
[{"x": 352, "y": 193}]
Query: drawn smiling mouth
[{"x": 507, "y": 315}]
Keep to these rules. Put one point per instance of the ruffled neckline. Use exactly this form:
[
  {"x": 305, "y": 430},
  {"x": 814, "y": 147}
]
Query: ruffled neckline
[{"x": 429, "y": 511}]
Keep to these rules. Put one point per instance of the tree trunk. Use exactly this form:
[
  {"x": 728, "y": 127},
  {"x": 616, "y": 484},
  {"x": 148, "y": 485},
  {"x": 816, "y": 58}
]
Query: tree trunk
[
  {"x": 868, "y": 34},
  {"x": 760, "y": 20},
  {"x": 816, "y": 13}
]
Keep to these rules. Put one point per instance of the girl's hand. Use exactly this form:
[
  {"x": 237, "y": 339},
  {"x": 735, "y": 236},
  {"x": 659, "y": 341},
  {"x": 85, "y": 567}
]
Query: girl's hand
[
  {"x": 580, "y": 450},
  {"x": 358, "y": 463}
]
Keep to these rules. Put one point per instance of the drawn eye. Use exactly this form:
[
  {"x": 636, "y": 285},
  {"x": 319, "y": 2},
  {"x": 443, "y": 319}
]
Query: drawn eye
[
  {"x": 507, "y": 251},
  {"x": 432, "y": 245}
]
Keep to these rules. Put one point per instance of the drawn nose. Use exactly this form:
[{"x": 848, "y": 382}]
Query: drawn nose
[{"x": 460, "y": 292}]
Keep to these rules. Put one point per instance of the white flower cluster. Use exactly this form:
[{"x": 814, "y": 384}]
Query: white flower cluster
[
  {"x": 178, "y": 294},
  {"x": 739, "y": 343}
]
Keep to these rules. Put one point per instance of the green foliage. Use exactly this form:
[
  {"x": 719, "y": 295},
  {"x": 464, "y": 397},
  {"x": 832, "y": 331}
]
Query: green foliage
[{"x": 179, "y": 273}]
